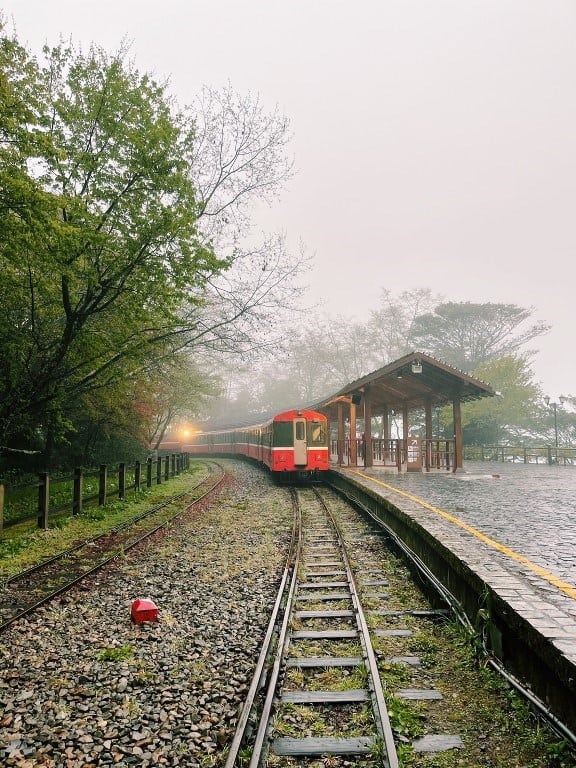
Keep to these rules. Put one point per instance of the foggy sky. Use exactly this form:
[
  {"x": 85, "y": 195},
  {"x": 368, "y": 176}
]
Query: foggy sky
[{"x": 435, "y": 141}]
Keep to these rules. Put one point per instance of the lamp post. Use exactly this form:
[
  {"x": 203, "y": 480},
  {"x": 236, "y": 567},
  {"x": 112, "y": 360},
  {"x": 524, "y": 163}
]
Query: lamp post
[{"x": 554, "y": 407}]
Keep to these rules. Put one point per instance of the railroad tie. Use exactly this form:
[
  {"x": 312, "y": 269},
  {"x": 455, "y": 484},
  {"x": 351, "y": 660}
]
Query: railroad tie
[
  {"x": 324, "y": 614},
  {"x": 335, "y": 634},
  {"x": 309, "y": 745},
  {"x": 419, "y": 694},
  {"x": 308, "y": 662},
  {"x": 348, "y": 696}
]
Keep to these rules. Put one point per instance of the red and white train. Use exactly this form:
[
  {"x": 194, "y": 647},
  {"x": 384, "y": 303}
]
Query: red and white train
[{"x": 292, "y": 444}]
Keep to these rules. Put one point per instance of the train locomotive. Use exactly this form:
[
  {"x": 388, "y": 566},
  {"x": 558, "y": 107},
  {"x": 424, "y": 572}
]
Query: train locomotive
[{"x": 293, "y": 444}]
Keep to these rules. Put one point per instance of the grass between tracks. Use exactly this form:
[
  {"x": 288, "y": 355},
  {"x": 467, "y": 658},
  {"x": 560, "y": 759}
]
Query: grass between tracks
[{"x": 22, "y": 548}]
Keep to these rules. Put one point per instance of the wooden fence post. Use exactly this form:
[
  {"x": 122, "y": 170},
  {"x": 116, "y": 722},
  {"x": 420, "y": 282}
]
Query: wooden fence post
[
  {"x": 137, "y": 476},
  {"x": 173, "y": 465},
  {"x": 149, "y": 472},
  {"x": 43, "y": 499},
  {"x": 121, "y": 480},
  {"x": 159, "y": 470},
  {"x": 167, "y": 468},
  {"x": 1, "y": 506},
  {"x": 77, "y": 497},
  {"x": 102, "y": 485}
]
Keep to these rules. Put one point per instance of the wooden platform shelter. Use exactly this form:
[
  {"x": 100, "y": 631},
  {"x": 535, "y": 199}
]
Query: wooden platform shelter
[{"x": 414, "y": 382}]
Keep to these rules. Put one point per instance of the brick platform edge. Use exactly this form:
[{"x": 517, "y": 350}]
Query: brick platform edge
[{"x": 532, "y": 638}]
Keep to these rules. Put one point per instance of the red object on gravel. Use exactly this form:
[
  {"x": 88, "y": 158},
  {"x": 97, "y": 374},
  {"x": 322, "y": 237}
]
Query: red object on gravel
[{"x": 144, "y": 610}]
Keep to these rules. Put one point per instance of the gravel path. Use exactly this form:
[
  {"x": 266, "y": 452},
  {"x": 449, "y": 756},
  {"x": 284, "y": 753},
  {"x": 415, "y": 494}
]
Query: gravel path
[{"x": 82, "y": 685}]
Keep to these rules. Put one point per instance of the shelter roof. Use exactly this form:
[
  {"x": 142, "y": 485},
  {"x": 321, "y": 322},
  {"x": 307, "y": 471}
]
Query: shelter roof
[{"x": 412, "y": 381}]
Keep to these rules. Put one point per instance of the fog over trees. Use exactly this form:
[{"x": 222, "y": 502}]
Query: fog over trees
[{"x": 492, "y": 342}]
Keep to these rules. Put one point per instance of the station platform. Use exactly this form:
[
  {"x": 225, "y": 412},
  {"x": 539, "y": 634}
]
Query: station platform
[{"x": 526, "y": 614}]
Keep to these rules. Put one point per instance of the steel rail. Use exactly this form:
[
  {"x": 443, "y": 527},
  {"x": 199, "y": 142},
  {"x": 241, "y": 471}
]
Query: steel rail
[
  {"x": 379, "y": 701},
  {"x": 125, "y": 548},
  {"x": 266, "y": 649},
  {"x": 287, "y": 597},
  {"x": 260, "y": 744},
  {"x": 94, "y": 539}
]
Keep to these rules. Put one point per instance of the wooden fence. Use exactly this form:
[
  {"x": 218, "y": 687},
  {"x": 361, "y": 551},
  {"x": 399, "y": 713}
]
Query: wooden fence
[{"x": 51, "y": 496}]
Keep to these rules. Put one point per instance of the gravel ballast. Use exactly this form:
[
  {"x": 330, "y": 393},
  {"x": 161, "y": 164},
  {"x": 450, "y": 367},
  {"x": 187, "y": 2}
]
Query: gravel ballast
[{"x": 83, "y": 685}]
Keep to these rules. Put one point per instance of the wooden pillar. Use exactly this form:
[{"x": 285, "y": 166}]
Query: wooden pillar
[
  {"x": 368, "y": 454},
  {"x": 428, "y": 441},
  {"x": 43, "y": 499},
  {"x": 458, "y": 449},
  {"x": 405, "y": 432},
  {"x": 340, "y": 439},
  {"x": 77, "y": 492},
  {"x": 102, "y": 484},
  {"x": 122, "y": 480},
  {"x": 353, "y": 443},
  {"x": 386, "y": 424}
]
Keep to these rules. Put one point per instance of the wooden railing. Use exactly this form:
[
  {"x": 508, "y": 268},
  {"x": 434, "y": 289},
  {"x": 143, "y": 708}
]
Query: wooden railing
[
  {"x": 387, "y": 452},
  {"x": 522, "y": 454},
  {"x": 439, "y": 454}
]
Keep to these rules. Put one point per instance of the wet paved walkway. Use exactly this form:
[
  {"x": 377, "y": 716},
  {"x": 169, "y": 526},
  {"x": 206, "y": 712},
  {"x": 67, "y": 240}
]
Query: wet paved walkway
[{"x": 530, "y": 509}]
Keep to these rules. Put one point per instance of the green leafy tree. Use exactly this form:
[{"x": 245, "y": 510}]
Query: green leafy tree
[
  {"x": 111, "y": 203},
  {"x": 97, "y": 277},
  {"x": 511, "y": 415}
]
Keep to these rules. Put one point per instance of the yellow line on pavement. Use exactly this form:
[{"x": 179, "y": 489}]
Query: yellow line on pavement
[{"x": 568, "y": 589}]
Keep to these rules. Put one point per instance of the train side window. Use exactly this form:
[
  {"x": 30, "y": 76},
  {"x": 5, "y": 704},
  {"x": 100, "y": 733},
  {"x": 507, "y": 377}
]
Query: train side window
[
  {"x": 300, "y": 430},
  {"x": 317, "y": 433}
]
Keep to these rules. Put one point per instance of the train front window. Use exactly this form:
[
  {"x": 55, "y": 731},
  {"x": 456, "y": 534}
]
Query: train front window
[
  {"x": 300, "y": 430},
  {"x": 318, "y": 434}
]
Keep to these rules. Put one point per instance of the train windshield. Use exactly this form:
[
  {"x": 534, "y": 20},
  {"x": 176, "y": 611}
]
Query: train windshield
[{"x": 318, "y": 433}]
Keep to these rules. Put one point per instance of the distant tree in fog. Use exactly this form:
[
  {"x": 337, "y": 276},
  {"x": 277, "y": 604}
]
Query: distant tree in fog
[
  {"x": 389, "y": 329},
  {"x": 467, "y": 335},
  {"x": 174, "y": 396},
  {"x": 324, "y": 356}
]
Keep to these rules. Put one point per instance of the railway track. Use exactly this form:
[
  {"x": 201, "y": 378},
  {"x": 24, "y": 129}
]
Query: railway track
[
  {"x": 326, "y": 684},
  {"x": 26, "y": 591}
]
